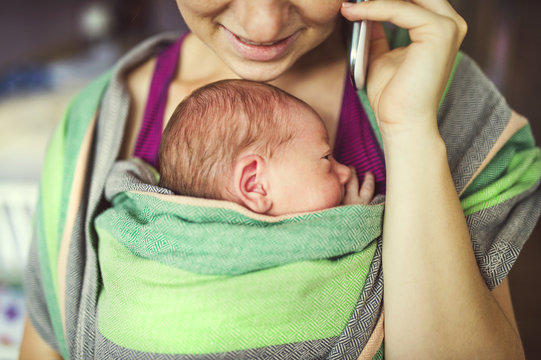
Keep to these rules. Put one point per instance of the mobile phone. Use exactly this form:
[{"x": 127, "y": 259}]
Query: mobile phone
[{"x": 358, "y": 53}]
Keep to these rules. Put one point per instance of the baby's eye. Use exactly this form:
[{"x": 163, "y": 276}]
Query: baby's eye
[{"x": 326, "y": 157}]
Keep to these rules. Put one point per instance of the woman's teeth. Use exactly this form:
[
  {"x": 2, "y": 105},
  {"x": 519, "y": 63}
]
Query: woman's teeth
[{"x": 246, "y": 41}]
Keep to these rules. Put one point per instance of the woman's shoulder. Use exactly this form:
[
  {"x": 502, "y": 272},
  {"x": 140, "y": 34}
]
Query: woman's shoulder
[
  {"x": 138, "y": 63},
  {"x": 136, "y": 69}
]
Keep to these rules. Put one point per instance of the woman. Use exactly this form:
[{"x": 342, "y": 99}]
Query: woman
[{"x": 439, "y": 302}]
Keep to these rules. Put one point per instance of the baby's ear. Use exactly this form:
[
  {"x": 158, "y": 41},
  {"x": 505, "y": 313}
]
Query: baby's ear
[{"x": 250, "y": 183}]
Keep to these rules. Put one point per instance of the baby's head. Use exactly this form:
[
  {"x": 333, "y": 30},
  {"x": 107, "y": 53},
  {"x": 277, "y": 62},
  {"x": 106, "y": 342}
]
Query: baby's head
[{"x": 253, "y": 144}]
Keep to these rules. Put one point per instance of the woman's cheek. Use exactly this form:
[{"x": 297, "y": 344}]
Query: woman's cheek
[{"x": 318, "y": 12}]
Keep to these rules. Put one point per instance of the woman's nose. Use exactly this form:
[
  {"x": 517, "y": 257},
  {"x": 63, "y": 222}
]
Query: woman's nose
[{"x": 263, "y": 20}]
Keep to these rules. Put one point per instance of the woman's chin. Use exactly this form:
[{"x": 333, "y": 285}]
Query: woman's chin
[{"x": 258, "y": 70}]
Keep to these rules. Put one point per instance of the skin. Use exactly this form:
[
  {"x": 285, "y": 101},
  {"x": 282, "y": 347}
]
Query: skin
[
  {"x": 433, "y": 309},
  {"x": 260, "y": 22},
  {"x": 300, "y": 176},
  {"x": 306, "y": 176}
]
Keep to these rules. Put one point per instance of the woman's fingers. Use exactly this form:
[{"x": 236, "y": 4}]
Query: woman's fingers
[
  {"x": 441, "y": 7},
  {"x": 410, "y": 15},
  {"x": 403, "y": 14},
  {"x": 405, "y": 85},
  {"x": 378, "y": 41},
  {"x": 444, "y": 8}
]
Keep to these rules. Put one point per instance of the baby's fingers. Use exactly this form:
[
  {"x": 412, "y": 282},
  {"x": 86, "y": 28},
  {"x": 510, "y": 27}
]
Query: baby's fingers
[
  {"x": 366, "y": 192},
  {"x": 352, "y": 188}
]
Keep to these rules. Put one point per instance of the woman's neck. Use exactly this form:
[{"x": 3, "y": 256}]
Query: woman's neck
[{"x": 317, "y": 77}]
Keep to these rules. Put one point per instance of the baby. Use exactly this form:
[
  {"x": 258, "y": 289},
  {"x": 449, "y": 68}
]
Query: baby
[{"x": 255, "y": 145}]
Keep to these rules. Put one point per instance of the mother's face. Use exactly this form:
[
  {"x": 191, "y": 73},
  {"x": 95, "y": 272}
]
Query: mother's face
[{"x": 260, "y": 39}]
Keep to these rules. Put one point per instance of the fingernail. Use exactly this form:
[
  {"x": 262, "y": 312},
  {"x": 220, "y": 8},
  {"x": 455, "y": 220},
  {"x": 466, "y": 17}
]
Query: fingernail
[{"x": 346, "y": 4}]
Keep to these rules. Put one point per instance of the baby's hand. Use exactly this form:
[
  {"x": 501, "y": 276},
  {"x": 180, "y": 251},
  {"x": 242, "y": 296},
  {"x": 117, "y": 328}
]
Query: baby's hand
[{"x": 364, "y": 194}]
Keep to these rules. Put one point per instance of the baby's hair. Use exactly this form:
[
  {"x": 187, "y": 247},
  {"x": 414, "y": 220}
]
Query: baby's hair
[{"x": 212, "y": 126}]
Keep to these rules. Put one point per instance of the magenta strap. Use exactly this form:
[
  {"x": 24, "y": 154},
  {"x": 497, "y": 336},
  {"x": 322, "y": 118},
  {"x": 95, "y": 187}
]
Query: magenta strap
[
  {"x": 356, "y": 144},
  {"x": 150, "y": 134}
]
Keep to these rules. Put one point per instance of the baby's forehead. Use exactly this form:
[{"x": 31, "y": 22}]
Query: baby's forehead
[
  {"x": 303, "y": 115},
  {"x": 307, "y": 126}
]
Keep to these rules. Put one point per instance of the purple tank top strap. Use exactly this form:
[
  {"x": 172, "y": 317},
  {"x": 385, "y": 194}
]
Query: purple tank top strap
[
  {"x": 150, "y": 134},
  {"x": 356, "y": 144}
]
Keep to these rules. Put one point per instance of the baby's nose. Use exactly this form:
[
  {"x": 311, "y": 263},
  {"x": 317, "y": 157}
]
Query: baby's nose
[{"x": 344, "y": 172}]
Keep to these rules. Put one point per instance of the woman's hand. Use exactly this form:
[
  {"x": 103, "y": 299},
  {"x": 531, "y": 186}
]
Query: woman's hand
[{"x": 405, "y": 85}]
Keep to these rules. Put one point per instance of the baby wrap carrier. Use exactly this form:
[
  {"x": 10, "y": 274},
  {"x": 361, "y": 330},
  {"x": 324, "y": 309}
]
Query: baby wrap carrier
[
  {"x": 198, "y": 276},
  {"x": 120, "y": 268}
]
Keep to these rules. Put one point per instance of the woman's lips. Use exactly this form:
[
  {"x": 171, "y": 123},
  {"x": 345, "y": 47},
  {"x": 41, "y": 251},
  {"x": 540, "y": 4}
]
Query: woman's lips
[{"x": 259, "y": 51}]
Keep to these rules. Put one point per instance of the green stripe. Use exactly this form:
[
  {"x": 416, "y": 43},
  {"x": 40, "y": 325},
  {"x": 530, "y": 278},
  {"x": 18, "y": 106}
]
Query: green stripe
[
  {"x": 176, "y": 312},
  {"x": 48, "y": 214},
  {"x": 49, "y": 289},
  {"x": 55, "y": 188},
  {"x": 220, "y": 241},
  {"x": 514, "y": 169},
  {"x": 80, "y": 115},
  {"x": 379, "y": 354},
  {"x": 363, "y": 96},
  {"x": 50, "y": 195},
  {"x": 451, "y": 77}
]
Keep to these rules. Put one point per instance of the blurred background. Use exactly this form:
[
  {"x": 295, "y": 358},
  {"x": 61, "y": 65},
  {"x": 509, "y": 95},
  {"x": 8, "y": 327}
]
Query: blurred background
[{"x": 50, "y": 49}]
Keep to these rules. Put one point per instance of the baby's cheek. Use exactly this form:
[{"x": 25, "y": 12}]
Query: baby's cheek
[{"x": 332, "y": 197}]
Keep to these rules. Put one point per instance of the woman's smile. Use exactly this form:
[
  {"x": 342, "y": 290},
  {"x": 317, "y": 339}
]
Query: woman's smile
[
  {"x": 260, "y": 40},
  {"x": 257, "y": 51}
]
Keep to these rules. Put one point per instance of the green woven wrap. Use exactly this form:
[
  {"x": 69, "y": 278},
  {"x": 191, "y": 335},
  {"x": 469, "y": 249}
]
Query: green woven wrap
[
  {"x": 244, "y": 281},
  {"x": 145, "y": 279}
]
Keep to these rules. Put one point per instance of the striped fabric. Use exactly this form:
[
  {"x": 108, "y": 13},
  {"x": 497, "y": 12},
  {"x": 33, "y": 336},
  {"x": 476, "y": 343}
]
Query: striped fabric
[
  {"x": 221, "y": 278},
  {"x": 356, "y": 144},
  {"x": 77, "y": 307}
]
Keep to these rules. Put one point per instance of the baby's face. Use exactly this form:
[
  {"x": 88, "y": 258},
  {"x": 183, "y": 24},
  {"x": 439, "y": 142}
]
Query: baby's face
[{"x": 303, "y": 174}]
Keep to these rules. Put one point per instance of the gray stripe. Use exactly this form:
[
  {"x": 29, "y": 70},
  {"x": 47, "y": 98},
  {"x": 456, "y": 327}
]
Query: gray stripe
[
  {"x": 470, "y": 120},
  {"x": 36, "y": 305},
  {"x": 316, "y": 349},
  {"x": 83, "y": 276},
  {"x": 366, "y": 314},
  {"x": 499, "y": 232}
]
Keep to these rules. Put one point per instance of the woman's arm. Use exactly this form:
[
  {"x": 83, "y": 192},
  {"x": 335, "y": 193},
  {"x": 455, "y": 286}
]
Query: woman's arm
[
  {"x": 437, "y": 304},
  {"x": 502, "y": 294},
  {"x": 34, "y": 347}
]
